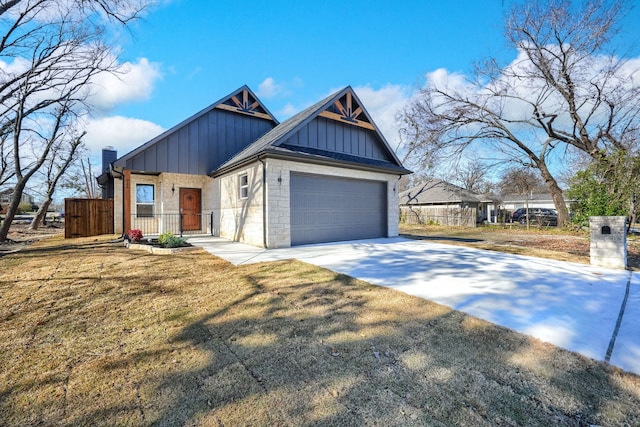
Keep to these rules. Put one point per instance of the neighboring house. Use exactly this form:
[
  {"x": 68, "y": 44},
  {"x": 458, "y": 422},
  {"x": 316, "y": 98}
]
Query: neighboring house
[
  {"x": 511, "y": 202},
  {"x": 447, "y": 204},
  {"x": 6, "y": 197},
  {"x": 326, "y": 174}
]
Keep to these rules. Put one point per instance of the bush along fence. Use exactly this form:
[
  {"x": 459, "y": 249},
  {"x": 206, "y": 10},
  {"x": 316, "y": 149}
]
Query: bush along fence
[{"x": 178, "y": 224}]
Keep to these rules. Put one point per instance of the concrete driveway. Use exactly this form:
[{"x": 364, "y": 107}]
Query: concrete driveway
[{"x": 593, "y": 311}]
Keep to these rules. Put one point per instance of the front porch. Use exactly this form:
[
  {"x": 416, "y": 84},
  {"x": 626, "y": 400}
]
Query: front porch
[{"x": 179, "y": 224}]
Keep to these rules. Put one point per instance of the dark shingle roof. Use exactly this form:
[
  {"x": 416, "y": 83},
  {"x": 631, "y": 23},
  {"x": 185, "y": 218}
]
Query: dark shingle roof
[
  {"x": 274, "y": 135},
  {"x": 435, "y": 191}
]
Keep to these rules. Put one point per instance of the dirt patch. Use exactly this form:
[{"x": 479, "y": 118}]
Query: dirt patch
[{"x": 20, "y": 236}]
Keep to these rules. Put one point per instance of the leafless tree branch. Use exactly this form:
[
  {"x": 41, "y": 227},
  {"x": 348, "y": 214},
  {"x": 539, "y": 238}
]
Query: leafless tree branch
[
  {"x": 566, "y": 91},
  {"x": 57, "y": 49}
]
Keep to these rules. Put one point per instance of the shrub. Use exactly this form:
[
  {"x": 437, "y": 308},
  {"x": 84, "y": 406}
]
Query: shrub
[
  {"x": 24, "y": 208},
  {"x": 134, "y": 235},
  {"x": 170, "y": 241},
  {"x": 164, "y": 237}
]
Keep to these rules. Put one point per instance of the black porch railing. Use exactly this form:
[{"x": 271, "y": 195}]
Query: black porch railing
[{"x": 178, "y": 224}]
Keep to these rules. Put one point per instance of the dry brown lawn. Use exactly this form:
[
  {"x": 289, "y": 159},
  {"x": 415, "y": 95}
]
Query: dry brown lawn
[
  {"x": 543, "y": 242},
  {"x": 94, "y": 334}
]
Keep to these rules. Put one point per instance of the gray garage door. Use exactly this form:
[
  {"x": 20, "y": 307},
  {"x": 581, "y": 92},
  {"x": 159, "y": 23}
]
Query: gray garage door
[{"x": 328, "y": 209}]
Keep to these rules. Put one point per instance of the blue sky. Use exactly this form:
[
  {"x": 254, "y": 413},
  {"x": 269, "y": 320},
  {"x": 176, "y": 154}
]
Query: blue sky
[{"x": 186, "y": 54}]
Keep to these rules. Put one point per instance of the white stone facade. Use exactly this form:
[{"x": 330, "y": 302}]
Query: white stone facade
[
  {"x": 167, "y": 199},
  {"x": 241, "y": 217},
  {"x": 238, "y": 216}
]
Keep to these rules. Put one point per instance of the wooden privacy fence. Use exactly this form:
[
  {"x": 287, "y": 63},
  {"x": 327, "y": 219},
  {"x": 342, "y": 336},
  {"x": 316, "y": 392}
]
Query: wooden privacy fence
[
  {"x": 87, "y": 217},
  {"x": 459, "y": 217}
]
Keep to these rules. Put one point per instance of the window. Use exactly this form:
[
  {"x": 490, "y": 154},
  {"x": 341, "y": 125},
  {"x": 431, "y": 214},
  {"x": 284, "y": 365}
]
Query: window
[
  {"x": 144, "y": 200},
  {"x": 244, "y": 186}
]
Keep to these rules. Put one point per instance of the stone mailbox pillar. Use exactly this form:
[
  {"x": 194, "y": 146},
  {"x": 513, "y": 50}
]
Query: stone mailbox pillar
[{"x": 608, "y": 241}]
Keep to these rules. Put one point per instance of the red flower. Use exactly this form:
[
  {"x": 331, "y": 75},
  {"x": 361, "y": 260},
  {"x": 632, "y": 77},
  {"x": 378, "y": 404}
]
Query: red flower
[{"x": 134, "y": 235}]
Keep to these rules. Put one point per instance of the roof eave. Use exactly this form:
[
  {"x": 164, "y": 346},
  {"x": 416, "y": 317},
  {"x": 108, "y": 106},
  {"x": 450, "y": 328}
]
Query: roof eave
[{"x": 306, "y": 158}]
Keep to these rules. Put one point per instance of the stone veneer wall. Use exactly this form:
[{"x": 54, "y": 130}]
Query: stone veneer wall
[
  {"x": 278, "y": 194},
  {"x": 117, "y": 205},
  {"x": 241, "y": 219}
]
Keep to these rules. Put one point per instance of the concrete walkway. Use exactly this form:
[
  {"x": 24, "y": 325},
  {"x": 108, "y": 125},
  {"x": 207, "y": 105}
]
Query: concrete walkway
[{"x": 593, "y": 311}]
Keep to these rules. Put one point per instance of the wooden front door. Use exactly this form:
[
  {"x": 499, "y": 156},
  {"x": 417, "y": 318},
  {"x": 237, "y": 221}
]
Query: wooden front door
[{"x": 190, "y": 208}]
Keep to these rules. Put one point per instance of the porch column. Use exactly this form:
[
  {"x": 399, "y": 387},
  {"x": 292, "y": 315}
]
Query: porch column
[{"x": 126, "y": 200}]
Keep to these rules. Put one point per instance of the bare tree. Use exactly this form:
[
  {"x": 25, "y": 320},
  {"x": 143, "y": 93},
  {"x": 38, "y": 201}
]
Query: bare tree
[
  {"x": 89, "y": 180},
  {"x": 565, "y": 92},
  {"x": 80, "y": 179},
  {"x": 62, "y": 156},
  {"x": 6, "y": 168},
  {"x": 57, "y": 49},
  {"x": 523, "y": 181},
  {"x": 472, "y": 176},
  {"x": 520, "y": 180}
]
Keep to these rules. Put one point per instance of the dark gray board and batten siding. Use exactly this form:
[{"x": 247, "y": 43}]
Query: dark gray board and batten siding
[
  {"x": 329, "y": 208},
  {"x": 201, "y": 145},
  {"x": 333, "y": 136}
]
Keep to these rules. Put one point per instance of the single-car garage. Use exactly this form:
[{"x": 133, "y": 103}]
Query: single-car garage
[{"x": 329, "y": 208}]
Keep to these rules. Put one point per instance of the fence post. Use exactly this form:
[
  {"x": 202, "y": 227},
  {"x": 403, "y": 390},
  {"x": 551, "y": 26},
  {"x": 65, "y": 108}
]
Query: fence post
[
  {"x": 180, "y": 224},
  {"x": 212, "y": 223}
]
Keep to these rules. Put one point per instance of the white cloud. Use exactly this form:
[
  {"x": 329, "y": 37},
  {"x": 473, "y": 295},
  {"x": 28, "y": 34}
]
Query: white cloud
[
  {"x": 15, "y": 67},
  {"x": 123, "y": 133},
  {"x": 287, "y": 111},
  {"x": 194, "y": 73},
  {"x": 383, "y": 105},
  {"x": 521, "y": 81},
  {"x": 134, "y": 82},
  {"x": 442, "y": 78},
  {"x": 269, "y": 88}
]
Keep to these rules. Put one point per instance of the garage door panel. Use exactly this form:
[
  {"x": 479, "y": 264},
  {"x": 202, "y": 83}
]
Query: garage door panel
[{"x": 326, "y": 209}]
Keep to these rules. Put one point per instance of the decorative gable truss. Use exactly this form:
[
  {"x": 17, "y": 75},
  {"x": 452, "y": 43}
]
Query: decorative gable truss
[
  {"x": 339, "y": 127},
  {"x": 347, "y": 110},
  {"x": 245, "y": 102},
  {"x": 205, "y": 140},
  {"x": 336, "y": 129}
]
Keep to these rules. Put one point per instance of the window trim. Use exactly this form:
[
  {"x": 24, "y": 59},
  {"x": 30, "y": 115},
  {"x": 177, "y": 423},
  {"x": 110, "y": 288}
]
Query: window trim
[
  {"x": 152, "y": 203},
  {"x": 243, "y": 188}
]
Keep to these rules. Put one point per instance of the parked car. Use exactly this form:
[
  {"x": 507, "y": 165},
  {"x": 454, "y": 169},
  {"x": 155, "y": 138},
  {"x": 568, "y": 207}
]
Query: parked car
[{"x": 538, "y": 216}]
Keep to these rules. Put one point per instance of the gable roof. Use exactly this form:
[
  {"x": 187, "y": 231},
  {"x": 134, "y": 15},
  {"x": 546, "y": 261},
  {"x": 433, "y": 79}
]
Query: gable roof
[
  {"x": 343, "y": 107},
  {"x": 241, "y": 101},
  {"x": 436, "y": 191}
]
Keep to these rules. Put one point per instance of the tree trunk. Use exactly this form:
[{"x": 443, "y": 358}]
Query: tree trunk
[
  {"x": 40, "y": 215},
  {"x": 12, "y": 210},
  {"x": 556, "y": 194}
]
